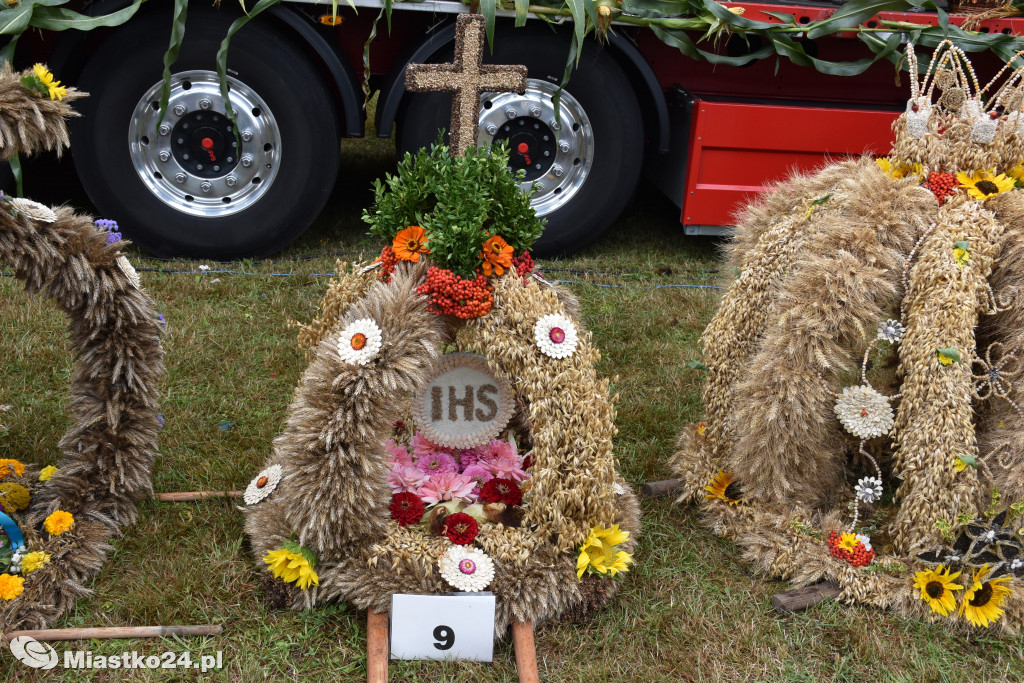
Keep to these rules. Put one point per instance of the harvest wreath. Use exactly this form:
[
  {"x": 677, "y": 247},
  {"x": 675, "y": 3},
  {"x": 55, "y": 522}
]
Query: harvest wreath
[
  {"x": 57, "y": 521},
  {"x": 862, "y": 423},
  {"x": 450, "y": 432}
]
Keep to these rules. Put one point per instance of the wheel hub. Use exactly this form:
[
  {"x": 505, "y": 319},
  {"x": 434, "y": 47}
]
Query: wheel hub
[
  {"x": 203, "y": 143},
  {"x": 556, "y": 153},
  {"x": 193, "y": 159}
]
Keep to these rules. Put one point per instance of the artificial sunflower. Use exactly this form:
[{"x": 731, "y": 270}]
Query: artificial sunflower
[
  {"x": 961, "y": 253},
  {"x": 497, "y": 255},
  {"x": 936, "y": 586},
  {"x": 54, "y": 89},
  {"x": 848, "y": 541},
  {"x": 58, "y": 522},
  {"x": 899, "y": 170},
  {"x": 1017, "y": 173},
  {"x": 410, "y": 243},
  {"x": 599, "y": 553},
  {"x": 293, "y": 564},
  {"x": 985, "y": 184},
  {"x": 983, "y": 600},
  {"x": 725, "y": 488}
]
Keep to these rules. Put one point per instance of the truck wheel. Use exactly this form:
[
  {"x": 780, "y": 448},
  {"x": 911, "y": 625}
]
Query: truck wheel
[
  {"x": 585, "y": 165},
  {"x": 186, "y": 185}
]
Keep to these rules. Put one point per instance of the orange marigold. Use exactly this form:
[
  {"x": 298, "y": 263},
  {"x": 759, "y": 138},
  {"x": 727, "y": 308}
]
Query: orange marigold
[
  {"x": 11, "y": 586},
  {"x": 58, "y": 522},
  {"x": 410, "y": 243},
  {"x": 10, "y": 466},
  {"x": 497, "y": 255}
]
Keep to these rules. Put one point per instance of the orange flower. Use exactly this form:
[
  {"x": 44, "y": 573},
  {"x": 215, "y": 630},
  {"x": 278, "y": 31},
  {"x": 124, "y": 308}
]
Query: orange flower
[
  {"x": 9, "y": 466},
  {"x": 497, "y": 254},
  {"x": 410, "y": 243}
]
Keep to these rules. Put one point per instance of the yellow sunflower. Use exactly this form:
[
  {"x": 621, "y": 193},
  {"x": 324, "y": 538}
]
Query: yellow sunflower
[
  {"x": 1017, "y": 173},
  {"x": 937, "y": 588},
  {"x": 54, "y": 89},
  {"x": 899, "y": 170},
  {"x": 292, "y": 565},
  {"x": 725, "y": 488},
  {"x": 984, "y": 184},
  {"x": 983, "y": 600},
  {"x": 599, "y": 553}
]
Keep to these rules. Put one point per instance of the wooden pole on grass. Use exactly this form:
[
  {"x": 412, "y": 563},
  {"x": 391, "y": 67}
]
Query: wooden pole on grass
[
  {"x": 188, "y": 496},
  {"x": 108, "y": 633},
  {"x": 658, "y": 488},
  {"x": 377, "y": 649},
  {"x": 526, "y": 652}
]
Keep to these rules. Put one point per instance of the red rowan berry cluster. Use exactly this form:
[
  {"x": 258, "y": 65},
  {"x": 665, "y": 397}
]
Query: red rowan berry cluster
[
  {"x": 388, "y": 261},
  {"x": 523, "y": 263},
  {"x": 942, "y": 185},
  {"x": 859, "y": 557},
  {"x": 450, "y": 294}
]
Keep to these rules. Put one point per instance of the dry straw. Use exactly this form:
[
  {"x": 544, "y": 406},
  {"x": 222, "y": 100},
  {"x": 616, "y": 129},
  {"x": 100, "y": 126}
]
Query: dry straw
[{"x": 818, "y": 263}]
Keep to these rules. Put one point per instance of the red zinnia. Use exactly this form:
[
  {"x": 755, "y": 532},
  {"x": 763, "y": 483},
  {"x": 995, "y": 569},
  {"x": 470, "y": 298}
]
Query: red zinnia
[
  {"x": 501, "y": 491},
  {"x": 460, "y": 528},
  {"x": 406, "y": 508}
]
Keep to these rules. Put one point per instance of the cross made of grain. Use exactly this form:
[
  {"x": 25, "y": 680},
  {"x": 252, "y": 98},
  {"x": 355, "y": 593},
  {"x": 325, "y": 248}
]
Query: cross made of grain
[{"x": 467, "y": 78}]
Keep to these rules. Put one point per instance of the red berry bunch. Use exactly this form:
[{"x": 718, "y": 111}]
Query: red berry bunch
[
  {"x": 942, "y": 185},
  {"x": 388, "y": 261},
  {"x": 450, "y": 294},
  {"x": 501, "y": 491},
  {"x": 523, "y": 263},
  {"x": 860, "y": 557},
  {"x": 406, "y": 508},
  {"x": 460, "y": 528}
]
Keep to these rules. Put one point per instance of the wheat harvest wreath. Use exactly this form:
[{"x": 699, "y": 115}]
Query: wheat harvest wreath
[
  {"x": 863, "y": 422},
  {"x": 57, "y": 521},
  {"x": 450, "y": 432}
]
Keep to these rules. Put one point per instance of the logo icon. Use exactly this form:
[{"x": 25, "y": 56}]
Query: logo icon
[{"x": 31, "y": 652}]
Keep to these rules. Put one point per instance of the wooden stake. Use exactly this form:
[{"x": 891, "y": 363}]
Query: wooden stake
[
  {"x": 186, "y": 496},
  {"x": 108, "y": 633},
  {"x": 377, "y": 649},
  {"x": 526, "y": 652},
  {"x": 657, "y": 488},
  {"x": 802, "y": 598}
]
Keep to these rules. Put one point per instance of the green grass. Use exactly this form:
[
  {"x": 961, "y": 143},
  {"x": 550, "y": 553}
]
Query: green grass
[{"x": 689, "y": 610}]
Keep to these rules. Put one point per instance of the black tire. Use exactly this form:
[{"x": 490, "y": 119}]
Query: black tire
[
  {"x": 129, "y": 63},
  {"x": 604, "y": 93}
]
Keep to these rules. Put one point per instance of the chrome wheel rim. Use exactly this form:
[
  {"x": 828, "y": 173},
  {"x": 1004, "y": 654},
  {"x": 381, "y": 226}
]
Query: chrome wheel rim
[
  {"x": 556, "y": 154},
  {"x": 191, "y": 160}
]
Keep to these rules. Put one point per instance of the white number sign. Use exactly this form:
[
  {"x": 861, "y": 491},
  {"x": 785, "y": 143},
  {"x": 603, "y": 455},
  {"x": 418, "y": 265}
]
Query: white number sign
[{"x": 457, "y": 626}]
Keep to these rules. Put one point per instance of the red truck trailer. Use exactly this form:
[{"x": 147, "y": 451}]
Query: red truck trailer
[{"x": 709, "y": 136}]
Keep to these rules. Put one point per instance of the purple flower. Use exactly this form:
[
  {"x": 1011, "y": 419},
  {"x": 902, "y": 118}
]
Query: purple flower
[
  {"x": 110, "y": 227},
  {"x": 160, "y": 419},
  {"x": 162, "y": 320}
]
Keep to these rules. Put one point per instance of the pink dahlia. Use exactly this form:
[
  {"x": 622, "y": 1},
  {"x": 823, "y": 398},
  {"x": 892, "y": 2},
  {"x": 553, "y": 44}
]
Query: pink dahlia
[
  {"x": 447, "y": 486},
  {"x": 406, "y": 479},
  {"x": 399, "y": 454},
  {"x": 506, "y": 467},
  {"x": 438, "y": 463},
  {"x": 422, "y": 446},
  {"x": 492, "y": 450},
  {"x": 479, "y": 475},
  {"x": 469, "y": 457}
]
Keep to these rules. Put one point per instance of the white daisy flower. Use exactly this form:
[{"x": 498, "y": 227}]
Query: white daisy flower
[
  {"x": 34, "y": 210},
  {"x": 466, "y": 568},
  {"x": 869, "y": 489},
  {"x": 129, "y": 270},
  {"x": 891, "y": 331},
  {"x": 359, "y": 342},
  {"x": 263, "y": 485},
  {"x": 556, "y": 335},
  {"x": 865, "y": 541},
  {"x": 864, "y": 412}
]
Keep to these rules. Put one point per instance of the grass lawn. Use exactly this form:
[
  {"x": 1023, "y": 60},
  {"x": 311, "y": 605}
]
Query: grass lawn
[{"x": 689, "y": 609}]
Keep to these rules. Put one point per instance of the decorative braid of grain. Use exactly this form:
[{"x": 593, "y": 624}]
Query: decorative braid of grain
[
  {"x": 343, "y": 290},
  {"x": 839, "y": 287},
  {"x": 1000, "y": 427},
  {"x": 333, "y": 495},
  {"x": 107, "y": 454},
  {"x": 29, "y": 122},
  {"x": 934, "y": 422}
]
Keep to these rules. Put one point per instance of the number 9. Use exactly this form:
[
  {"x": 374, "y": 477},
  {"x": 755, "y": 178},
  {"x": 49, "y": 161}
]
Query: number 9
[{"x": 446, "y": 636}]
